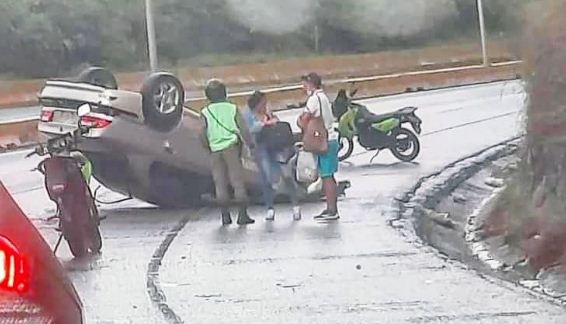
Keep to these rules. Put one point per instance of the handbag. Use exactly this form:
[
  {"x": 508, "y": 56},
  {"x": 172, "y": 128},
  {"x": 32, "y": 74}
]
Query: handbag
[{"x": 315, "y": 134}]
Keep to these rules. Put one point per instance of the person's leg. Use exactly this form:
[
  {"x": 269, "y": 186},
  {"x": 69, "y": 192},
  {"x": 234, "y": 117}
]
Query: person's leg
[
  {"x": 220, "y": 177},
  {"x": 266, "y": 175},
  {"x": 290, "y": 187},
  {"x": 236, "y": 175},
  {"x": 331, "y": 193},
  {"x": 328, "y": 166}
]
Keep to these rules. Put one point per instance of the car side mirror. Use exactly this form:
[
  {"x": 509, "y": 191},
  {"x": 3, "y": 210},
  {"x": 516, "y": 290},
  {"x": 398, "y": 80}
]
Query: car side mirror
[{"x": 84, "y": 110}]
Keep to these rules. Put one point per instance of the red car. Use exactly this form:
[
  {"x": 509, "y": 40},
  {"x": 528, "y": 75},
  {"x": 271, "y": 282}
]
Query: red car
[{"x": 34, "y": 287}]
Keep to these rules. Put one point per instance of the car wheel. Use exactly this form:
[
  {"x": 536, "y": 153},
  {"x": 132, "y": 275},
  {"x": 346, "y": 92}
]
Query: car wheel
[
  {"x": 99, "y": 77},
  {"x": 162, "y": 99}
]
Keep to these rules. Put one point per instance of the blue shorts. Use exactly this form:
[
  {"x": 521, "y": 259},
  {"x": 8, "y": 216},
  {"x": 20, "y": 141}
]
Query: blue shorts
[{"x": 328, "y": 163}]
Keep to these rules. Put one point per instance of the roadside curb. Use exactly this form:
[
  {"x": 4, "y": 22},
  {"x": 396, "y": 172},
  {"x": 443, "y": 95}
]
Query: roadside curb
[{"x": 427, "y": 193}]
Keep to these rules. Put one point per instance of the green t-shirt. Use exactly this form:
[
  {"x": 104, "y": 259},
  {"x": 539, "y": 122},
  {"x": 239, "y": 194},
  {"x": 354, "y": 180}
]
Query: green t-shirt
[{"x": 222, "y": 130}]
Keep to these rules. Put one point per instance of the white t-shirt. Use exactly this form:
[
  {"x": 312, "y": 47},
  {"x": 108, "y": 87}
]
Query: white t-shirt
[{"x": 318, "y": 102}]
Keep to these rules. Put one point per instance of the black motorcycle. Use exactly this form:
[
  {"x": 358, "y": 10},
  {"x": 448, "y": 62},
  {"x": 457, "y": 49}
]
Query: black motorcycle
[{"x": 376, "y": 132}]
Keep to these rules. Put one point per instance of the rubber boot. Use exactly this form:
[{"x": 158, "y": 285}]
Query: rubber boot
[
  {"x": 243, "y": 217},
  {"x": 226, "y": 217}
]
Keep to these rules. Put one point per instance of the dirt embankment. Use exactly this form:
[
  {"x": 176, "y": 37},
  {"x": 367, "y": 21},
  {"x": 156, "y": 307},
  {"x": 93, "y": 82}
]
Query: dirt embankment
[
  {"x": 531, "y": 213},
  {"x": 247, "y": 76}
]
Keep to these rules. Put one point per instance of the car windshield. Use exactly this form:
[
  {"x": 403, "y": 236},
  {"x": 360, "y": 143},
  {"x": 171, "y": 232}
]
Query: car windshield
[{"x": 302, "y": 161}]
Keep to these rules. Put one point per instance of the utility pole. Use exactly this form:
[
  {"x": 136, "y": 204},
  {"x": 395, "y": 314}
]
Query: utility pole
[
  {"x": 151, "y": 41},
  {"x": 482, "y": 33},
  {"x": 316, "y": 39}
]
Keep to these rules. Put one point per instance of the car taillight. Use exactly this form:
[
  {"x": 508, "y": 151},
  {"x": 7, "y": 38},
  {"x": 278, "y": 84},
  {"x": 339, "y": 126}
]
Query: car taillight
[
  {"x": 96, "y": 121},
  {"x": 47, "y": 115},
  {"x": 14, "y": 272}
]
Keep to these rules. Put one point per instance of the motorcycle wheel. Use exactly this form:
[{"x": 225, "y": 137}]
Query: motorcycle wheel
[
  {"x": 95, "y": 239},
  {"x": 346, "y": 148},
  {"x": 77, "y": 246},
  {"x": 406, "y": 145}
]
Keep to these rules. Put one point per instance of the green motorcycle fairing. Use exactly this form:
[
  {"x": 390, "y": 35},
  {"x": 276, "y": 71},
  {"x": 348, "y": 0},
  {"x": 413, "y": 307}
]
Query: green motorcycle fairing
[
  {"x": 387, "y": 125},
  {"x": 86, "y": 170},
  {"x": 346, "y": 124}
]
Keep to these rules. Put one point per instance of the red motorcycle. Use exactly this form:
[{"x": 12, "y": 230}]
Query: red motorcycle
[{"x": 67, "y": 187}]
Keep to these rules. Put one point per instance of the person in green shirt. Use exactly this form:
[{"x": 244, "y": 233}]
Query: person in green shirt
[{"x": 224, "y": 133}]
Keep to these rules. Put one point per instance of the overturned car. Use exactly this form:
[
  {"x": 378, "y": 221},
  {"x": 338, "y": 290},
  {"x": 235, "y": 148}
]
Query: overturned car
[{"x": 143, "y": 144}]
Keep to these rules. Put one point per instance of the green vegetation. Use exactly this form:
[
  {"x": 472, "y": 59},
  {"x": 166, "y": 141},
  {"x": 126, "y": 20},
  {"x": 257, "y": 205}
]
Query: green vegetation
[{"x": 55, "y": 37}]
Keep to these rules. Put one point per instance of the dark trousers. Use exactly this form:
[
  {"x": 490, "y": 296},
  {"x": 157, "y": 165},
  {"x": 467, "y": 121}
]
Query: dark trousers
[{"x": 227, "y": 170}]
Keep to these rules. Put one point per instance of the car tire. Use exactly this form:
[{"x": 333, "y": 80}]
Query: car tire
[
  {"x": 162, "y": 101},
  {"x": 99, "y": 77}
]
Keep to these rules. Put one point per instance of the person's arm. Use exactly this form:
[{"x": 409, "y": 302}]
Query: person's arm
[
  {"x": 203, "y": 134},
  {"x": 254, "y": 125},
  {"x": 311, "y": 108},
  {"x": 244, "y": 130},
  {"x": 271, "y": 118}
]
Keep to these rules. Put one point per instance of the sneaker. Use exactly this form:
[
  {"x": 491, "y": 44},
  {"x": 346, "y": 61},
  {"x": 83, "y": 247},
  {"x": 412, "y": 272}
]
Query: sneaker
[
  {"x": 321, "y": 215},
  {"x": 270, "y": 215},
  {"x": 327, "y": 216},
  {"x": 297, "y": 213},
  {"x": 331, "y": 216}
]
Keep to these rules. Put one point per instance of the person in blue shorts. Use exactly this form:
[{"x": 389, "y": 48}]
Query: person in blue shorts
[{"x": 317, "y": 105}]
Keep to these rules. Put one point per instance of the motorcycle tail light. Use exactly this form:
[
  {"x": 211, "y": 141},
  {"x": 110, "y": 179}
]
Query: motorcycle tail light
[
  {"x": 57, "y": 189},
  {"x": 14, "y": 272},
  {"x": 96, "y": 121},
  {"x": 47, "y": 115}
]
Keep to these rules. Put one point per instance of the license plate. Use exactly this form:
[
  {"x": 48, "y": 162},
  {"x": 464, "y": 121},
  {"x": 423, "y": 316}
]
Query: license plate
[{"x": 65, "y": 117}]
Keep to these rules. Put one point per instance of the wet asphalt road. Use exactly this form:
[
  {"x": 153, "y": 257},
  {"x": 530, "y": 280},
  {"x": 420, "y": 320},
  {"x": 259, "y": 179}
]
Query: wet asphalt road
[{"x": 358, "y": 270}]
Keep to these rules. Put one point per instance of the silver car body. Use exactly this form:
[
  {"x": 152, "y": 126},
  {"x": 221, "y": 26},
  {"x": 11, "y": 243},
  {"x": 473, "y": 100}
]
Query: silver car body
[{"x": 130, "y": 157}]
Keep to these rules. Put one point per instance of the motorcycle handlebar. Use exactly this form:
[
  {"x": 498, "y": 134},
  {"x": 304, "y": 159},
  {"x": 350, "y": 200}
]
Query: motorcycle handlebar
[
  {"x": 32, "y": 153},
  {"x": 60, "y": 143}
]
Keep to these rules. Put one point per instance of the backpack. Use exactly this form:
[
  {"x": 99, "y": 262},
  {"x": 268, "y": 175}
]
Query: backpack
[{"x": 276, "y": 137}]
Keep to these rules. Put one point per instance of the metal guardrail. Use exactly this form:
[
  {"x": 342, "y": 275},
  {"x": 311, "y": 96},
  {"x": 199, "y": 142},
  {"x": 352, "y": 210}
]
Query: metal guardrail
[
  {"x": 294, "y": 87},
  {"x": 297, "y": 87},
  {"x": 19, "y": 120}
]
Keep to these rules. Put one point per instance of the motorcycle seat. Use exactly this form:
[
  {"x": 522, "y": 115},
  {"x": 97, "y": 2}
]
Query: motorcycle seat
[{"x": 365, "y": 116}]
